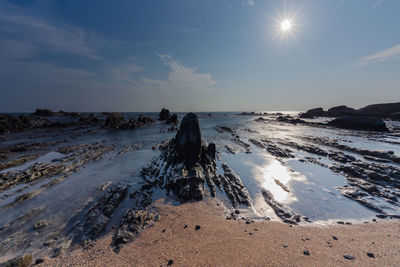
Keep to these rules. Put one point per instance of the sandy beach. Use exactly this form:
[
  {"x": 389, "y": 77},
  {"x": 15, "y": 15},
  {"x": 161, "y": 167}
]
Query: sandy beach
[{"x": 221, "y": 242}]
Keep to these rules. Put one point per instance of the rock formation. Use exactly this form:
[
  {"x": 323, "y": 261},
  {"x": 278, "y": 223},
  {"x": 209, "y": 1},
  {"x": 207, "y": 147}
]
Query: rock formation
[{"x": 359, "y": 123}]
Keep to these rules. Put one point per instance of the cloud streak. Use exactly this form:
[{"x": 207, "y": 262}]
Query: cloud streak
[
  {"x": 382, "y": 56},
  {"x": 29, "y": 36}
]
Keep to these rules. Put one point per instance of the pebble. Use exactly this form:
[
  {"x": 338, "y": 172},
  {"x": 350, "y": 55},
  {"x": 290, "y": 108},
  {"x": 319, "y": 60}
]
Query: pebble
[
  {"x": 285, "y": 245},
  {"x": 348, "y": 257},
  {"x": 306, "y": 252},
  {"x": 197, "y": 227},
  {"x": 185, "y": 226},
  {"x": 370, "y": 254},
  {"x": 163, "y": 230},
  {"x": 170, "y": 262},
  {"x": 39, "y": 261},
  {"x": 334, "y": 237},
  {"x": 251, "y": 233},
  {"x": 302, "y": 239},
  {"x": 340, "y": 222},
  {"x": 237, "y": 211}
]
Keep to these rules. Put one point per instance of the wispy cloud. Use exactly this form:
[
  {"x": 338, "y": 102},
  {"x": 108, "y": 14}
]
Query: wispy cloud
[
  {"x": 181, "y": 78},
  {"x": 28, "y": 35},
  {"x": 248, "y": 3},
  {"x": 381, "y": 56},
  {"x": 377, "y": 3}
]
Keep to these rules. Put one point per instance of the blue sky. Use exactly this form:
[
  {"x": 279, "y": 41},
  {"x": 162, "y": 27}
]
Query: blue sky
[{"x": 225, "y": 55}]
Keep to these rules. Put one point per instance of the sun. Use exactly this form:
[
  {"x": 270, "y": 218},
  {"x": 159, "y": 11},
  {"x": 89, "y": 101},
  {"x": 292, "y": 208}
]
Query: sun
[{"x": 286, "y": 25}]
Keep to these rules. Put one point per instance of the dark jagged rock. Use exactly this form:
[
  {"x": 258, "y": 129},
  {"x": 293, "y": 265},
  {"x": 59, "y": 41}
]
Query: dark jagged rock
[
  {"x": 306, "y": 116},
  {"x": 187, "y": 163},
  {"x": 234, "y": 187},
  {"x": 9, "y": 124},
  {"x": 283, "y": 212},
  {"x": 131, "y": 224},
  {"x": 43, "y": 112},
  {"x": 289, "y": 119},
  {"x": 164, "y": 114},
  {"x": 188, "y": 141},
  {"x": 316, "y": 112},
  {"x": 144, "y": 120},
  {"x": 115, "y": 120},
  {"x": 359, "y": 123},
  {"x": 23, "y": 261},
  {"x": 379, "y": 110},
  {"x": 173, "y": 119},
  {"x": 340, "y": 111},
  {"x": 272, "y": 148}
]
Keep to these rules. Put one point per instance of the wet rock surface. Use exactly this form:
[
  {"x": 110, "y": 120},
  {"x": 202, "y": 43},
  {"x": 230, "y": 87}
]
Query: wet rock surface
[{"x": 283, "y": 212}]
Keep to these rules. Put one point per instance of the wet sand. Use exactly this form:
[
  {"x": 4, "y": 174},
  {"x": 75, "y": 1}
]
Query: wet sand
[{"x": 221, "y": 242}]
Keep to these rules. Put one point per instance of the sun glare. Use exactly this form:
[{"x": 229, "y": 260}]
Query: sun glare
[{"x": 286, "y": 25}]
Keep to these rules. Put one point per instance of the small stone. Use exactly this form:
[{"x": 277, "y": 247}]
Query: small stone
[
  {"x": 335, "y": 237},
  {"x": 39, "y": 261},
  {"x": 307, "y": 238},
  {"x": 285, "y": 245},
  {"x": 251, "y": 233},
  {"x": 370, "y": 254},
  {"x": 185, "y": 226},
  {"x": 40, "y": 224},
  {"x": 248, "y": 222},
  {"x": 302, "y": 239},
  {"x": 340, "y": 222},
  {"x": 237, "y": 211},
  {"x": 348, "y": 257},
  {"x": 163, "y": 230},
  {"x": 197, "y": 227},
  {"x": 170, "y": 262},
  {"x": 348, "y": 223},
  {"x": 306, "y": 252}
]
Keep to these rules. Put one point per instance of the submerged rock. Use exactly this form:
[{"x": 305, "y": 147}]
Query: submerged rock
[{"x": 359, "y": 123}]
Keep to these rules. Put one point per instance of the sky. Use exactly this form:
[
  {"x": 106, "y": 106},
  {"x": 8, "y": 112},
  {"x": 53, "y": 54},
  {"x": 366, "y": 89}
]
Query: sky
[{"x": 186, "y": 55}]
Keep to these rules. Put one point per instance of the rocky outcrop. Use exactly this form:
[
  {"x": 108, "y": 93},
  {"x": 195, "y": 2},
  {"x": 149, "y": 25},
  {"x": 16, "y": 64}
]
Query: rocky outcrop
[
  {"x": 359, "y": 123},
  {"x": 379, "y": 110},
  {"x": 164, "y": 114},
  {"x": 340, "y": 111},
  {"x": 173, "y": 119},
  {"x": 187, "y": 163},
  {"x": 117, "y": 121},
  {"x": 134, "y": 221},
  {"x": 283, "y": 212},
  {"x": 43, "y": 112},
  {"x": 316, "y": 112}
]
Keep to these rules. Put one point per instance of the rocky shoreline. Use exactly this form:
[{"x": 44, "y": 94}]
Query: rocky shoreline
[{"x": 185, "y": 168}]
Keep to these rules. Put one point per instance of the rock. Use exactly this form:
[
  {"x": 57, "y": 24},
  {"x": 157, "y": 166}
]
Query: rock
[
  {"x": 144, "y": 120},
  {"x": 395, "y": 116},
  {"x": 283, "y": 212},
  {"x": 306, "y": 252},
  {"x": 173, "y": 119},
  {"x": 370, "y": 254},
  {"x": 285, "y": 245},
  {"x": 43, "y": 112},
  {"x": 316, "y": 112},
  {"x": 379, "y": 110},
  {"x": 39, "y": 261},
  {"x": 131, "y": 224},
  {"x": 9, "y": 124},
  {"x": 334, "y": 237},
  {"x": 188, "y": 139},
  {"x": 340, "y": 111},
  {"x": 305, "y": 116},
  {"x": 197, "y": 227},
  {"x": 164, "y": 114},
  {"x": 170, "y": 262},
  {"x": 359, "y": 123},
  {"x": 348, "y": 257},
  {"x": 115, "y": 121},
  {"x": 23, "y": 261},
  {"x": 40, "y": 224}
]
